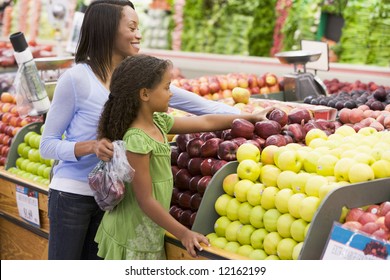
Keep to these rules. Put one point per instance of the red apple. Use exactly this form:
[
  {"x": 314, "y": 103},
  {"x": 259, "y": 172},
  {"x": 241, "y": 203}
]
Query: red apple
[
  {"x": 277, "y": 140},
  {"x": 297, "y": 131},
  {"x": 384, "y": 208},
  {"x": 381, "y": 234},
  {"x": 193, "y": 147},
  {"x": 227, "y": 150},
  {"x": 299, "y": 115},
  {"x": 353, "y": 225},
  {"x": 267, "y": 128},
  {"x": 270, "y": 79},
  {"x": 311, "y": 124},
  {"x": 184, "y": 200},
  {"x": 174, "y": 154},
  {"x": 205, "y": 166},
  {"x": 194, "y": 165},
  {"x": 210, "y": 148},
  {"x": 260, "y": 81},
  {"x": 195, "y": 201},
  {"x": 218, "y": 164},
  {"x": 182, "y": 160},
  {"x": 181, "y": 141},
  {"x": 374, "y": 209},
  {"x": 370, "y": 227},
  {"x": 354, "y": 214},
  {"x": 203, "y": 183},
  {"x": 387, "y": 220},
  {"x": 192, "y": 218},
  {"x": 367, "y": 217},
  {"x": 194, "y": 183},
  {"x": 239, "y": 141},
  {"x": 175, "y": 196},
  {"x": 175, "y": 212},
  {"x": 242, "y": 128},
  {"x": 279, "y": 116},
  {"x": 214, "y": 87},
  {"x": 183, "y": 178},
  {"x": 254, "y": 142},
  {"x": 226, "y": 135},
  {"x": 174, "y": 169},
  {"x": 207, "y": 135}
]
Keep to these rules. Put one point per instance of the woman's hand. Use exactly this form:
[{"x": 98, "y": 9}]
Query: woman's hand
[
  {"x": 104, "y": 149},
  {"x": 191, "y": 241}
]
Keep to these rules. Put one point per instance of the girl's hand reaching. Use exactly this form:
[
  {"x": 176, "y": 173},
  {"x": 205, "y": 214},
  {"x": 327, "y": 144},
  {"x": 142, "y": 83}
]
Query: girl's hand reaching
[
  {"x": 262, "y": 115},
  {"x": 191, "y": 241}
]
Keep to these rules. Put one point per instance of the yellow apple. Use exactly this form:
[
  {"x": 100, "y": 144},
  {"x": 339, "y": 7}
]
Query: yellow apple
[
  {"x": 297, "y": 230},
  {"x": 241, "y": 188},
  {"x": 271, "y": 242},
  {"x": 345, "y": 130},
  {"x": 342, "y": 167},
  {"x": 283, "y": 225},
  {"x": 221, "y": 204},
  {"x": 285, "y": 178},
  {"x": 294, "y": 204},
  {"x": 314, "y": 183},
  {"x": 241, "y": 95},
  {"x": 297, "y": 250},
  {"x": 272, "y": 258},
  {"x": 325, "y": 165},
  {"x": 364, "y": 158},
  {"x": 244, "y": 234},
  {"x": 256, "y": 216},
  {"x": 270, "y": 219},
  {"x": 268, "y": 197},
  {"x": 368, "y": 130},
  {"x": 269, "y": 175},
  {"x": 293, "y": 146},
  {"x": 232, "y": 246},
  {"x": 229, "y": 182},
  {"x": 281, "y": 200},
  {"x": 245, "y": 250},
  {"x": 257, "y": 238},
  {"x": 232, "y": 209},
  {"x": 299, "y": 182},
  {"x": 310, "y": 162},
  {"x": 318, "y": 142},
  {"x": 360, "y": 172},
  {"x": 258, "y": 254},
  {"x": 232, "y": 229},
  {"x": 381, "y": 168},
  {"x": 279, "y": 151},
  {"x": 308, "y": 207},
  {"x": 211, "y": 236},
  {"x": 289, "y": 160},
  {"x": 219, "y": 242},
  {"x": 325, "y": 189},
  {"x": 285, "y": 248},
  {"x": 248, "y": 169},
  {"x": 267, "y": 154},
  {"x": 248, "y": 151},
  {"x": 253, "y": 196},
  {"x": 220, "y": 225},
  {"x": 244, "y": 212}
]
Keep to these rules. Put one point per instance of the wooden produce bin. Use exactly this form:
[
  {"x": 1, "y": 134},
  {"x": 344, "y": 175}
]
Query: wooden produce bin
[{"x": 19, "y": 239}]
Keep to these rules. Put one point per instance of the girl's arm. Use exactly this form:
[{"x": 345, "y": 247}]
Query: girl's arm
[
  {"x": 192, "y": 103},
  {"x": 212, "y": 122},
  {"x": 142, "y": 187}
]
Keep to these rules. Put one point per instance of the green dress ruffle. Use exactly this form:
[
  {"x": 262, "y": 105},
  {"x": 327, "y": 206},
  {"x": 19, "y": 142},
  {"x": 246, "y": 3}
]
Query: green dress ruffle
[{"x": 127, "y": 232}]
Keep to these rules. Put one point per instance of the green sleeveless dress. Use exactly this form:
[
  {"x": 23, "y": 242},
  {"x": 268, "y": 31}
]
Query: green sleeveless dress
[{"x": 126, "y": 232}]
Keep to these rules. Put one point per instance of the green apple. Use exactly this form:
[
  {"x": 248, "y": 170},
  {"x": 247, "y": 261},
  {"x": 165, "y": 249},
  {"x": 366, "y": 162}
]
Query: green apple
[
  {"x": 19, "y": 161},
  {"x": 257, "y": 238},
  {"x": 20, "y": 148},
  {"x": 244, "y": 212},
  {"x": 270, "y": 219},
  {"x": 294, "y": 203},
  {"x": 232, "y": 246},
  {"x": 229, "y": 182},
  {"x": 283, "y": 225},
  {"x": 271, "y": 241},
  {"x": 342, "y": 167},
  {"x": 310, "y": 162},
  {"x": 220, "y": 225},
  {"x": 314, "y": 183},
  {"x": 272, "y": 258},
  {"x": 290, "y": 160},
  {"x": 248, "y": 169},
  {"x": 256, "y": 216},
  {"x": 281, "y": 200},
  {"x": 285, "y": 248},
  {"x": 299, "y": 183},
  {"x": 267, "y": 154},
  {"x": 248, "y": 151},
  {"x": 285, "y": 178},
  {"x": 34, "y": 155},
  {"x": 219, "y": 242},
  {"x": 297, "y": 250},
  {"x": 258, "y": 254},
  {"x": 325, "y": 165},
  {"x": 232, "y": 209},
  {"x": 308, "y": 207},
  {"x": 345, "y": 130},
  {"x": 244, "y": 234},
  {"x": 360, "y": 172},
  {"x": 364, "y": 158},
  {"x": 241, "y": 188},
  {"x": 28, "y": 136},
  {"x": 25, "y": 151},
  {"x": 253, "y": 196},
  {"x": 220, "y": 204},
  {"x": 269, "y": 175},
  {"x": 268, "y": 197},
  {"x": 232, "y": 229},
  {"x": 245, "y": 250},
  {"x": 297, "y": 230},
  {"x": 381, "y": 168},
  {"x": 46, "y": 172}
]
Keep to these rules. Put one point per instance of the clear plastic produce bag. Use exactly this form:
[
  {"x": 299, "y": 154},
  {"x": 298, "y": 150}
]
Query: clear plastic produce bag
[{"x": 107, "y": 178}]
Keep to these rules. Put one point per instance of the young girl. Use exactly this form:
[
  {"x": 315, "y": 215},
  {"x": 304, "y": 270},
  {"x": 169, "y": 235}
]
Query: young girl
[{"x": 135, "y": 112}]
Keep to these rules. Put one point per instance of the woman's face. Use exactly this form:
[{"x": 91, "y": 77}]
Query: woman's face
[{"x": 128, "y": 37}]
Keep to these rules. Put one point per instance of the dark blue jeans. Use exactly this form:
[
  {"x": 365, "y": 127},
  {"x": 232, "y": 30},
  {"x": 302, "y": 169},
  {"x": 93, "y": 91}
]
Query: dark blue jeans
[{"x": 74, "y": 220}]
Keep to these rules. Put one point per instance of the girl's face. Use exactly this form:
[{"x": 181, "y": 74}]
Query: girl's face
[
  {"x": 161, "y": 94},
  {"x": 128, "y": 36}
]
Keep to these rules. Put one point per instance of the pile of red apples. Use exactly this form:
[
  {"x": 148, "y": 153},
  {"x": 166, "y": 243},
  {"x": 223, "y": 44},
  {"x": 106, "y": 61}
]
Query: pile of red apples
[{"x": 374, "y": 220}]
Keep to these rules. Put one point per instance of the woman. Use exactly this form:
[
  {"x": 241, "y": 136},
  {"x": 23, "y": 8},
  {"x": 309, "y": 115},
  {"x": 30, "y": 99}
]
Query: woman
[{"x": 108, "y": 35}]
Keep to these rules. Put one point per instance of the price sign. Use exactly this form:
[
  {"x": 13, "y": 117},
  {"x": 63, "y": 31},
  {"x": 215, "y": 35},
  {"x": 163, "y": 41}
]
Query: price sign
[{"x": 27, "y": 201}]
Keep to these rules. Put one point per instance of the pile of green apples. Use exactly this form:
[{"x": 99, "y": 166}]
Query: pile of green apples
[
  {"x": 269, "y": 203},
  {"x": 30, "y": 165}
]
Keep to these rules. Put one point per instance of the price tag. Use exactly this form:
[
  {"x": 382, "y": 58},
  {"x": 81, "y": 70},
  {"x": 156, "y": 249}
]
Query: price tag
[{"x": 27, "y": 201}]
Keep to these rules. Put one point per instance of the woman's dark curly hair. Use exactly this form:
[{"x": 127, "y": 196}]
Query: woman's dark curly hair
[{"x": 132, "y": 74}]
